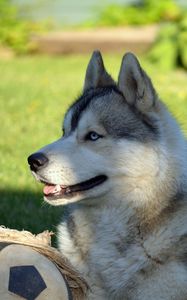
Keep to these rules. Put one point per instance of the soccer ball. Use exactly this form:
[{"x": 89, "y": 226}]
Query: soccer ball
[
  {"x": 27, "y": 274},
  {"x": 31, "y": 269}
]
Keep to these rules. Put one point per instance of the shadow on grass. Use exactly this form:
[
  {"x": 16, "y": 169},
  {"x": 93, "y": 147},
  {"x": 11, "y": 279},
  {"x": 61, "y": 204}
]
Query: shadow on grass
[{"x": 27, "y": 210}]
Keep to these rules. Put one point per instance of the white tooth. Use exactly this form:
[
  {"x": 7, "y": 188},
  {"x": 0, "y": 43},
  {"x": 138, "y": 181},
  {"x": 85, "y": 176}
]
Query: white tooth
[{"x": 58, "y": 188}]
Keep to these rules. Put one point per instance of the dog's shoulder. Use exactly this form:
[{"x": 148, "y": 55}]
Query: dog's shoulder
[{"x": 167, "y": 236}]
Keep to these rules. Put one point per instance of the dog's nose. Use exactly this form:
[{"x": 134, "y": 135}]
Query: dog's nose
[{"x": 37, "y": 161}]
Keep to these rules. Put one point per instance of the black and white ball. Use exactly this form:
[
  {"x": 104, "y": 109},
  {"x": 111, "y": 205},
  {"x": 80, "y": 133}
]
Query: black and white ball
[{"x": 26, "y": 274}]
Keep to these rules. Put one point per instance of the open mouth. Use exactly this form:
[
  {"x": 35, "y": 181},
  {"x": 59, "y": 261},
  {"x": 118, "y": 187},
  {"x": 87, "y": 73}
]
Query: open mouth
[{"x": 53, "y": 192}]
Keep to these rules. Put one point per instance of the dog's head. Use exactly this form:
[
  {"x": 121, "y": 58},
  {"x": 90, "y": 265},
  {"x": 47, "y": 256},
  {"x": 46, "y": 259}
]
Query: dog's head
[{"x": 111, "y": 138}]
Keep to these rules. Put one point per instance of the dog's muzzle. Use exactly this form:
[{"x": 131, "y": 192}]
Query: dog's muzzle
[{"x": 37, "y": 161}]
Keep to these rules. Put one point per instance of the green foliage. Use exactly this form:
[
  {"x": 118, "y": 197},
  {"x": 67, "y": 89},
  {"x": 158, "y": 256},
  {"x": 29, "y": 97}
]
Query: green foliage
[
  {"x": 170, "y": 48},
  {"x": 147, "y": 12},
  {"x": 182, "y": 41},
  {"x": 164, "y": 51},
  {"x": 15, "y": 32}
]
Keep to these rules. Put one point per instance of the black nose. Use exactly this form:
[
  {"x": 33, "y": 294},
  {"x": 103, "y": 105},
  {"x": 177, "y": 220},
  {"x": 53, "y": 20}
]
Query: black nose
[{"x": 37, "y": 161}]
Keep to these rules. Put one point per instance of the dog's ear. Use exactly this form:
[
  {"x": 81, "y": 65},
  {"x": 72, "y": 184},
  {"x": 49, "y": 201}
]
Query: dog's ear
[
  {"x": 96, "y": 75},
  {"x": 135, "y": 85}
]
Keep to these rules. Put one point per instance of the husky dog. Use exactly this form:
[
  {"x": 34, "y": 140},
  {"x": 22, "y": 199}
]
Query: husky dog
[{"x": 120, "y": 169}]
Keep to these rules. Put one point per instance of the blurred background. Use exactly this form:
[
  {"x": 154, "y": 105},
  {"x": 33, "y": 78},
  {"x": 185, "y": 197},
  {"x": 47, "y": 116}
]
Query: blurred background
[{"x": 44, "y": 50}]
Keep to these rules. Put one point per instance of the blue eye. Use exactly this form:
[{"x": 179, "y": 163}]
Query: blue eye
[{"x": 93, "y": 136}]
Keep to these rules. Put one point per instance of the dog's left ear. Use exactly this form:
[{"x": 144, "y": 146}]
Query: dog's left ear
[
  {"x": 135, "y": 85},
  {"x": 96, "y": 75}
]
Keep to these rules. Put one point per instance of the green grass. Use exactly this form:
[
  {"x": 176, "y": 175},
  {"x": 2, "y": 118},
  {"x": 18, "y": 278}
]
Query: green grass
[{"x": 34, "y": 93}]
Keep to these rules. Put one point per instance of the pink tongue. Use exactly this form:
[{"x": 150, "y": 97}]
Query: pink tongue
[{"x": 49, "y": 189}]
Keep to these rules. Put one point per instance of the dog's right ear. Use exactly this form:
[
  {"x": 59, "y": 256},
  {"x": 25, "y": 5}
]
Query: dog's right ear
[{"x": 96, "y": 75}]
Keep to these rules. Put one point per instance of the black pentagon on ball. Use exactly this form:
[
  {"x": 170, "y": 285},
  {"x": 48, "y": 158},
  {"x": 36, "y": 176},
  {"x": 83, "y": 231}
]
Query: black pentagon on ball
[{"x": 26, "y": 282}]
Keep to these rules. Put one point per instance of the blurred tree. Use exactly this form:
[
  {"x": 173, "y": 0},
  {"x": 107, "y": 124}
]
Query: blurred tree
[
  {"x": 170, "y": 48},
  {"x": 138, "y": 13},
  {"x": 14, "y": 31}
]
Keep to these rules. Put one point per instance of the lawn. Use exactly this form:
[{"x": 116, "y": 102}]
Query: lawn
[{"x": 34, "y": 93}]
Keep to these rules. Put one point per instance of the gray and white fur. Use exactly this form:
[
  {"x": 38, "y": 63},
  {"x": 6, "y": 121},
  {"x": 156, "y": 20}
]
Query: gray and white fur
[{"x": 127, "y": 235}]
